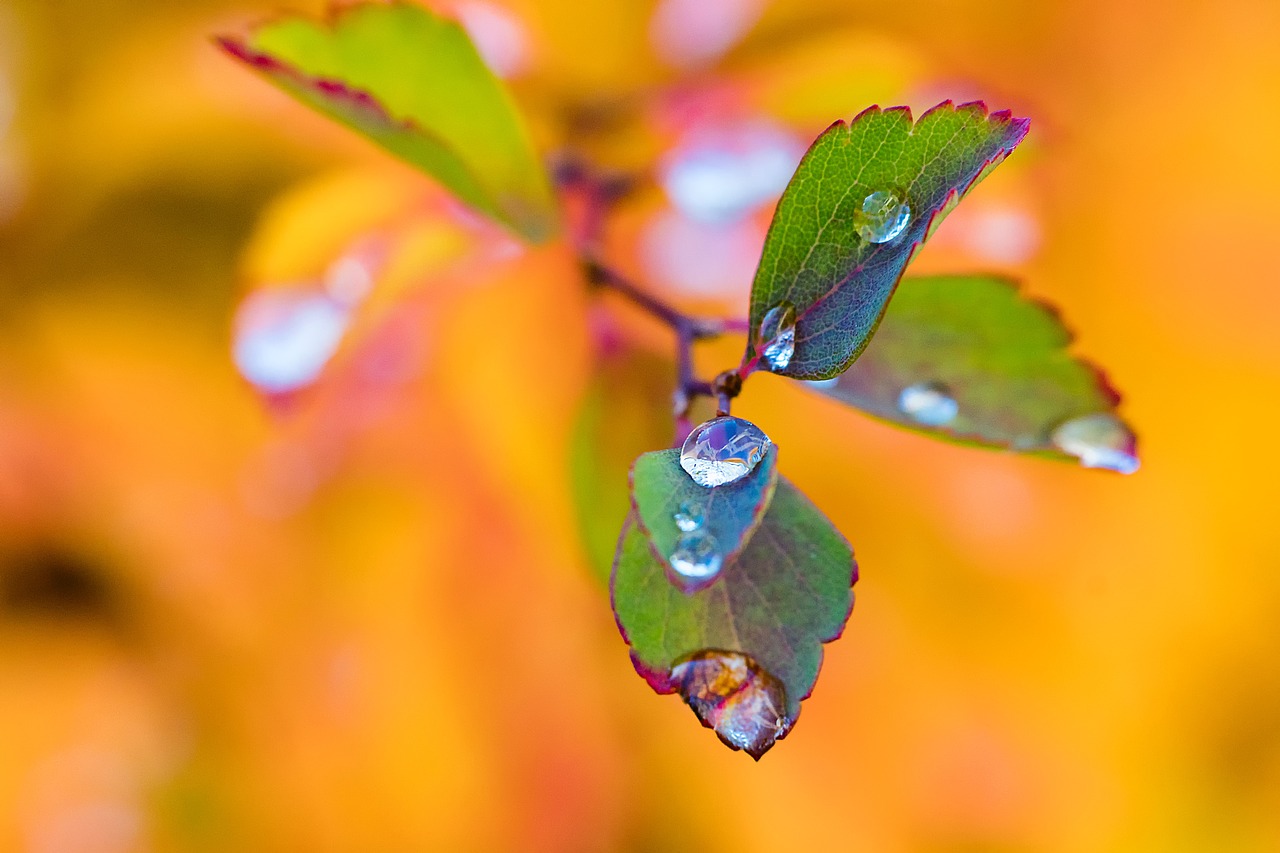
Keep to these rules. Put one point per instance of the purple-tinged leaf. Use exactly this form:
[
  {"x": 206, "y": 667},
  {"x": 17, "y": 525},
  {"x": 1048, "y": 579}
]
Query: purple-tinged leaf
[
  {"x": 751, "y": 643},
  {"x": 969, "y": 358},
  {"x": 861, "y": 202},
  {"x": 413, "y": 82}
]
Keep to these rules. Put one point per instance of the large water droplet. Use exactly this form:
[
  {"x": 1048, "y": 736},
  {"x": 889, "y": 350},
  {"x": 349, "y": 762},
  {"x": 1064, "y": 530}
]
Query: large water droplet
[
  {"x": 697, "y": 555},
  {"x": 778, "y": 336},
  {"x": 732, "y": 694},
  {"x": 1099, "y": 440},
  {"x": 688, "y": 518},
  {"x": 723, "y": 450},
  {"x": 285, "y": 336},
  {"x": 928, "y": 403},
  {"x": 884, "y": 216}
]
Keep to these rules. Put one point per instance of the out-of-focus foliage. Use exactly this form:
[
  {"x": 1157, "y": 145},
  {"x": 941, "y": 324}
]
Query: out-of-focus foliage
[
  {"x": 224, "y": 628},
  {"x": 413, "y": 82}
]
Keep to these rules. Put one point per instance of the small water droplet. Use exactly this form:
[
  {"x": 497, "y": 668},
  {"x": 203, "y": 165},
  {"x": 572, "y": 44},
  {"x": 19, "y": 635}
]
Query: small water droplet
[
  {"x": 688, "y": 518},
  {"x": 822, "y": 384},
  {"x": 697, "y": 555},
  {"x": 884, "y": 216},
  {"x": 928, "y": 403},
  {"x": 732, "y": 694},
  {"x": 1100, "y": 440},
  {"x": 723, "y": 450},
  {"x": 778, "y": 336}
]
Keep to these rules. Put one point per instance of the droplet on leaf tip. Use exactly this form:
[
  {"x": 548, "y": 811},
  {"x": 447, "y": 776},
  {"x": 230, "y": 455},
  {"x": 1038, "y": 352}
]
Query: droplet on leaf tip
[
  {"x": 778, "y": 336},
  {"x": 1099, "y": 440},
  {"x": 697, "y": 556},
  {"x": 723, "y": 450},
  {"x": 735, "y": 696},
  {"x": 883, "y": 217},
  {"x": 928, "y": 403}
]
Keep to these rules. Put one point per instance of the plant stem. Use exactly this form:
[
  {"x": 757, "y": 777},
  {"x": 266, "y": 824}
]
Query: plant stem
[{"x": 599, "y": 194}]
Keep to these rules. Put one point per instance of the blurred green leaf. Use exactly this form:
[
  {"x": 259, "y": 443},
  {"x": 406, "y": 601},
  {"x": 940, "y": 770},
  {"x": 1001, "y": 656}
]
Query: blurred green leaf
[
  {"x": 969, "y": 358},
  {"x": 413, "y": 82},
  {"x": 729, "y": 514},
  {"x": 626, "y": 411},
  {"x": 751, "y": 640},
  {"x": 817, "y": 255}
]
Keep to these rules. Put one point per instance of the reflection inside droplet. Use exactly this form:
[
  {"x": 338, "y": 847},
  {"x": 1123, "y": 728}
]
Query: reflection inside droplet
[
  {"x": 732, "y": 694},
  {"x": 723, "y": 450},
  {"x": 688, "y": 518},
  {"x": 778, "y": 336},
  {"x": 697, "y": 555},
  {"x": 883, "y": 217},
  {"x": 1099, "y": 440},
  {"x": 928, "y": 403}
]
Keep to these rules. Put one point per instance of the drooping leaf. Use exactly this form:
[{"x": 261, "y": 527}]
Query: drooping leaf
[
  {"x": 626, "y": 411},
  {"x": 412, "y": 81},
  {"x": 820, "y": 254},
  {"x": 752, "y": 640},
  {"x": 969, "y": 358},
  {"x": 663, "y": 495}
]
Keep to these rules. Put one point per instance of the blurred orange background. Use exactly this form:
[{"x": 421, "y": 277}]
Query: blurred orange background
[{"x": 362, "y": 617}]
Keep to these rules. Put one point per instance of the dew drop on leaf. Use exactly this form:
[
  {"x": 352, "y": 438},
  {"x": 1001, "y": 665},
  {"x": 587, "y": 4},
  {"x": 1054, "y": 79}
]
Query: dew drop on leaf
[
  {"x": 928, "y": 403},
  {"x": 723, "y": 450},
  {"x": 778, "y": 335},
  {"x": 688, "y": 518},
  {"x": 1100, "y": 440},
  {"x": 884, "y": 216},
  {"x": 697, "y": 555},
  {"x": 733, "y": 695},
  {"x": 822, "y": 384}
]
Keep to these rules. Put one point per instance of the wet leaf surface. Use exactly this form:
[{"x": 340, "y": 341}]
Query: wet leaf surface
[
  {"x": 668, "y": 504},
  {"x": 862, "y": 200},
  {"x": 999, "y": 357},
  {"x": 788, "y": 592},
  {"x": 412, "y": 82}
]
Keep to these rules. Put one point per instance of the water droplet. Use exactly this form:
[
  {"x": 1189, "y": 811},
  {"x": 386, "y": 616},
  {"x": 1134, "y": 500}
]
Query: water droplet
[
  {"x": 697, "y": 555},
  {"x": 928, "y": 403},
  {"x": 1100, "y": 440},
  {"x": 688, "y": 518},
  {"x": 822, "y": 384},
  {"x": 778, "y": 336},
  {"x": 285, "y": 336},
  {"x": 884, "y": 216},
  {"x": 723, "y": 450},
  {"x": 732, "y": 694}
]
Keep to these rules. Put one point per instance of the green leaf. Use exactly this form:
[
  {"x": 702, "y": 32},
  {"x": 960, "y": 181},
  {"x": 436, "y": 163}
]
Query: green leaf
[
  {"x": 730, "y": 514},
  {"x": 814, "y": 255},
  {"x": 751, "y": 641},
  {"x": 999, "y": 357},
  {"x": 413, "y": 82},
  {"x": 626, "y": 411}
]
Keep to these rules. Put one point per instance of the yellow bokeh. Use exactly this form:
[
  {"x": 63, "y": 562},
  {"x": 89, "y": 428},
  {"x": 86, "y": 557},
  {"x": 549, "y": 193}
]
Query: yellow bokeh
[{"x": 360, "y": 616}]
